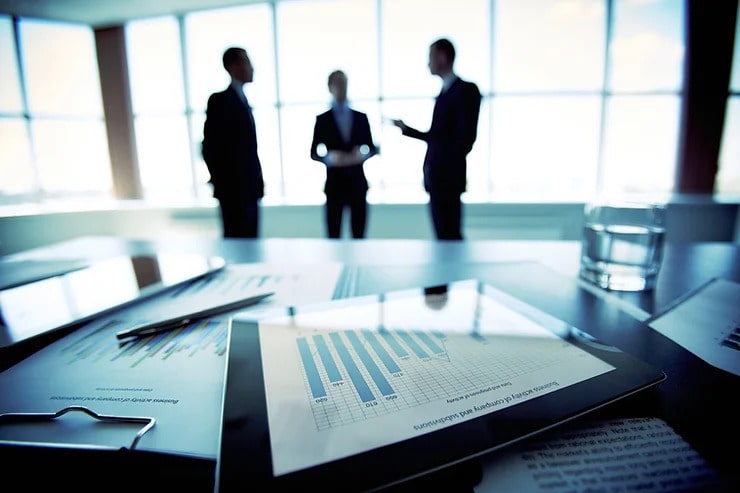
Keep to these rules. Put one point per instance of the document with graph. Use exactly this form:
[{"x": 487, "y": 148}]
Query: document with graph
[
  {"x": 176, "y": 377},
  {"x": 348, "y": 379},
  {"x": 707, "y": 323}
]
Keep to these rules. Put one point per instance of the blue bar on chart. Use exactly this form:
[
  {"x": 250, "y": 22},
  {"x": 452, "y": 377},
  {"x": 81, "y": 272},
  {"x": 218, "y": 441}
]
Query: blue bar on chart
[
  {"x": 367, "y": 360},
  {"x": 309, "y": 365},
  {"x": 331, "y": 367},
  {"x": 393, "y": 343},
  {"x": 477, "y": 336},
  {"x": 410, "y": 342},
  {"x": 436, "y": 348},
  {"x": 263, "y": 280},
  {"x": 358, "y": 381},
  {"x": 440, "y": 335},
  {"x": 388, "y": 361}
]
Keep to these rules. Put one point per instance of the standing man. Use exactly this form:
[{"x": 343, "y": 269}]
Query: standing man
[
  {"x": 230, "y": 150},
  {"x": 343, "y": 134},
  {"x": 449, "y": 140}
]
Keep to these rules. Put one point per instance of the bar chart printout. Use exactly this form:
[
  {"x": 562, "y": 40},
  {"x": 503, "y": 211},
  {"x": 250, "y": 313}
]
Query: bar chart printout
[
  {"x": 382, "y": 383},
  {"x": 174, "y": 376}
]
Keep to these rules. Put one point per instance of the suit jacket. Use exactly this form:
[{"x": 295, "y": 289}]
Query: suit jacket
[
  {"x": 230, "y": 148},
  {"x": 342, "y": 179},
  {"x": 450, "y": 138}
]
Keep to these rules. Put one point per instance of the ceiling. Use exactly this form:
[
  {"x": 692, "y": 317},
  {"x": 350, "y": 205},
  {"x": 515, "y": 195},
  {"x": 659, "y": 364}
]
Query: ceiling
[{"x": 103, "y": 13}]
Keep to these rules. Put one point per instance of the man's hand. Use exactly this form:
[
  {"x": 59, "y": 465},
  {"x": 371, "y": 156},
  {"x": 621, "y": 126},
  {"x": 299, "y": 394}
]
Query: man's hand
[
  {"x": 400, "y": 124},
  {"x": 344, "y": 158}
]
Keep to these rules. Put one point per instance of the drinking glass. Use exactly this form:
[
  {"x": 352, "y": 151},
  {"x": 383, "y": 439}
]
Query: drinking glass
[{"x": 622, "y": 245}]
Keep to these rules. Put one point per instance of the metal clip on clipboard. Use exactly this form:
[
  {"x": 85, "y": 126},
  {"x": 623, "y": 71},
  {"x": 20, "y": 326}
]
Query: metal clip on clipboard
[
  {"x": 21, "y": 418},
  {"x": 71, "y": 462}
]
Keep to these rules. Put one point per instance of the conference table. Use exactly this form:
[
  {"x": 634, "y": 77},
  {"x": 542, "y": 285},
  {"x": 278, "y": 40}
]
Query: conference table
[{"x": 697, "y": 399}]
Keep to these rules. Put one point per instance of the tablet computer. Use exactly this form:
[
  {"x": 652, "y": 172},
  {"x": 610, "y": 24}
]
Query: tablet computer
[
  {"x": 30, "y": 309},
  {"x": 368, "y": 392}
]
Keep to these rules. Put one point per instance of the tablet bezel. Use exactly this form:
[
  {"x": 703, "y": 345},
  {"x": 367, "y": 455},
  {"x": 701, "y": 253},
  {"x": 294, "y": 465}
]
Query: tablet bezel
[{"x": 245, "y": 452}]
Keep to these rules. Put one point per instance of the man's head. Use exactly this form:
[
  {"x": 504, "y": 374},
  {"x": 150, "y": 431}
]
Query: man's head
[
  {"x": 237, "y": 64},
  {"x": 338, "y": 85},
  {"x": 441, "y": 57}
]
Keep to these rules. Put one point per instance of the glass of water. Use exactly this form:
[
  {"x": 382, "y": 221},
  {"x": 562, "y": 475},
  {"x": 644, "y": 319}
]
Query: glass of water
[{"x": 622, "y": 245}]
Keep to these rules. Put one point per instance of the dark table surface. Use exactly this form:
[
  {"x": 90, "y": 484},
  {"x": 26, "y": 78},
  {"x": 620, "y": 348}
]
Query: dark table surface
[{"x": 698, "y": 400}]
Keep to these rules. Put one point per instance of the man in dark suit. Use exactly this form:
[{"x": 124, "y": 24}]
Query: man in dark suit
[
  {"x": 343, "y": 142},
  {"x": 449, "y": 140},
  {"x": 230, "y": 150}
]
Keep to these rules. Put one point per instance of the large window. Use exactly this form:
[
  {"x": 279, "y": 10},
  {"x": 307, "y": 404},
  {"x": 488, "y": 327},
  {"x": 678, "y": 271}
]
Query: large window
[
  {"x": 158, "y": 101},
  {"x": 313, "y": 39},
  {"x": 548, "y": 79},
  {"x": 207, "y": 35},
  {"x": 16, "y": 163},
  {"x": 580, "y": 97},
  {"x": 641, "y": 118},
  {"x": 728, "y": 176},
  {"x": 407, "y": 27},
  {"x": 52, "y": 135}
]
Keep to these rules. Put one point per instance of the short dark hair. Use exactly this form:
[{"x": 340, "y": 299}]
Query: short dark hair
[
  {"x": 231, "y": 55},
  {"x": 445, "y": 46},
  {"x": 334, "y": 75}
]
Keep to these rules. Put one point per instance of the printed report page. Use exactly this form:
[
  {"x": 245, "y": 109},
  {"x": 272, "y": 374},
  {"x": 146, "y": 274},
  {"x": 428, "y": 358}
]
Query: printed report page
[{"x": 353, "y": 378}]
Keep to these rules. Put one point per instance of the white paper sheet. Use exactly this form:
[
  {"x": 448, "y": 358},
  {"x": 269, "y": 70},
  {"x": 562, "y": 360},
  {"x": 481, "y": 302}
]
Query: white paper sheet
[
  {"x": 177, "y": 377},
  {"x": 707, "y": 323},
  {"x": 637, "y": 454},
  {"x": 291, "y": 285}
]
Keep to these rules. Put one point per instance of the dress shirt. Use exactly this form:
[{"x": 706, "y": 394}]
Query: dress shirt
[
  {"x": 343, "y": 117},
  {"x": 239, "y": 88},
  {"x": 447, "y": 81}
]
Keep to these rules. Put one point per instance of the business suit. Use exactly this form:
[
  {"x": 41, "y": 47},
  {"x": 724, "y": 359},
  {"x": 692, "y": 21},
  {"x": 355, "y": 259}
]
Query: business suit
[
  {"x": 230, "y": 152},
  {"x": 449, "y": 140},
  {"x": 346, "y": 185}
]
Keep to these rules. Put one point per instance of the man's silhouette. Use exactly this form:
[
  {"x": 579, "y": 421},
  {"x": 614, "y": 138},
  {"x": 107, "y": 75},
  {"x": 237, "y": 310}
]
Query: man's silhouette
[
  {"x": 343, "y": 135},
  {"x": 230, "y": 150},
  {"x": 449, "y": 140}
]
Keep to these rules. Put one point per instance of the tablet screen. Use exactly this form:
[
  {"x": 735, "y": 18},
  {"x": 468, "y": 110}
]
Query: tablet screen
[
  {"x": 34, "y": 308},
  {"x": 461, "y": 369}
]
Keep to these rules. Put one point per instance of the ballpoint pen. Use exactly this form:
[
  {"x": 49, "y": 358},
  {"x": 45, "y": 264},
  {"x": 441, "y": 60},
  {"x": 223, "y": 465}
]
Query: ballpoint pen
[{"x": 181, "y": 321}]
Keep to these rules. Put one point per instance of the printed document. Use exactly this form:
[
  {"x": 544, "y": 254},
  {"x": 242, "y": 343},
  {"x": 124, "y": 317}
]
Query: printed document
[
  {"x": 635, "y": 454},
  {"x": 353, "y": 378},
  {"x": 707, "y": 323},
  {"x": 176, "y": 377}
]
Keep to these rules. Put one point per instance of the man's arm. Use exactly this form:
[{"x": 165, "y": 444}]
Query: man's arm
[
  {"x": 335, "y": 158},
  {"x": 316, "y": 141},
  {"x": 468, "y": 111},
  {"x": 410, "y": 131},
  {"x": 212, "y": 147},
  {"x": 366, "y": 137}
]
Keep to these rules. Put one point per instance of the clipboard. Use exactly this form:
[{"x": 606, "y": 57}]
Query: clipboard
[
  {"x": 8, "y": 420},
  {"x": 54, "y": 462}
]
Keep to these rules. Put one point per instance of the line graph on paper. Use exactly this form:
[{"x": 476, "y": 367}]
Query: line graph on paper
[
  {"x": 355, "y": 375},
  {"x": 100, "y": 346}
]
